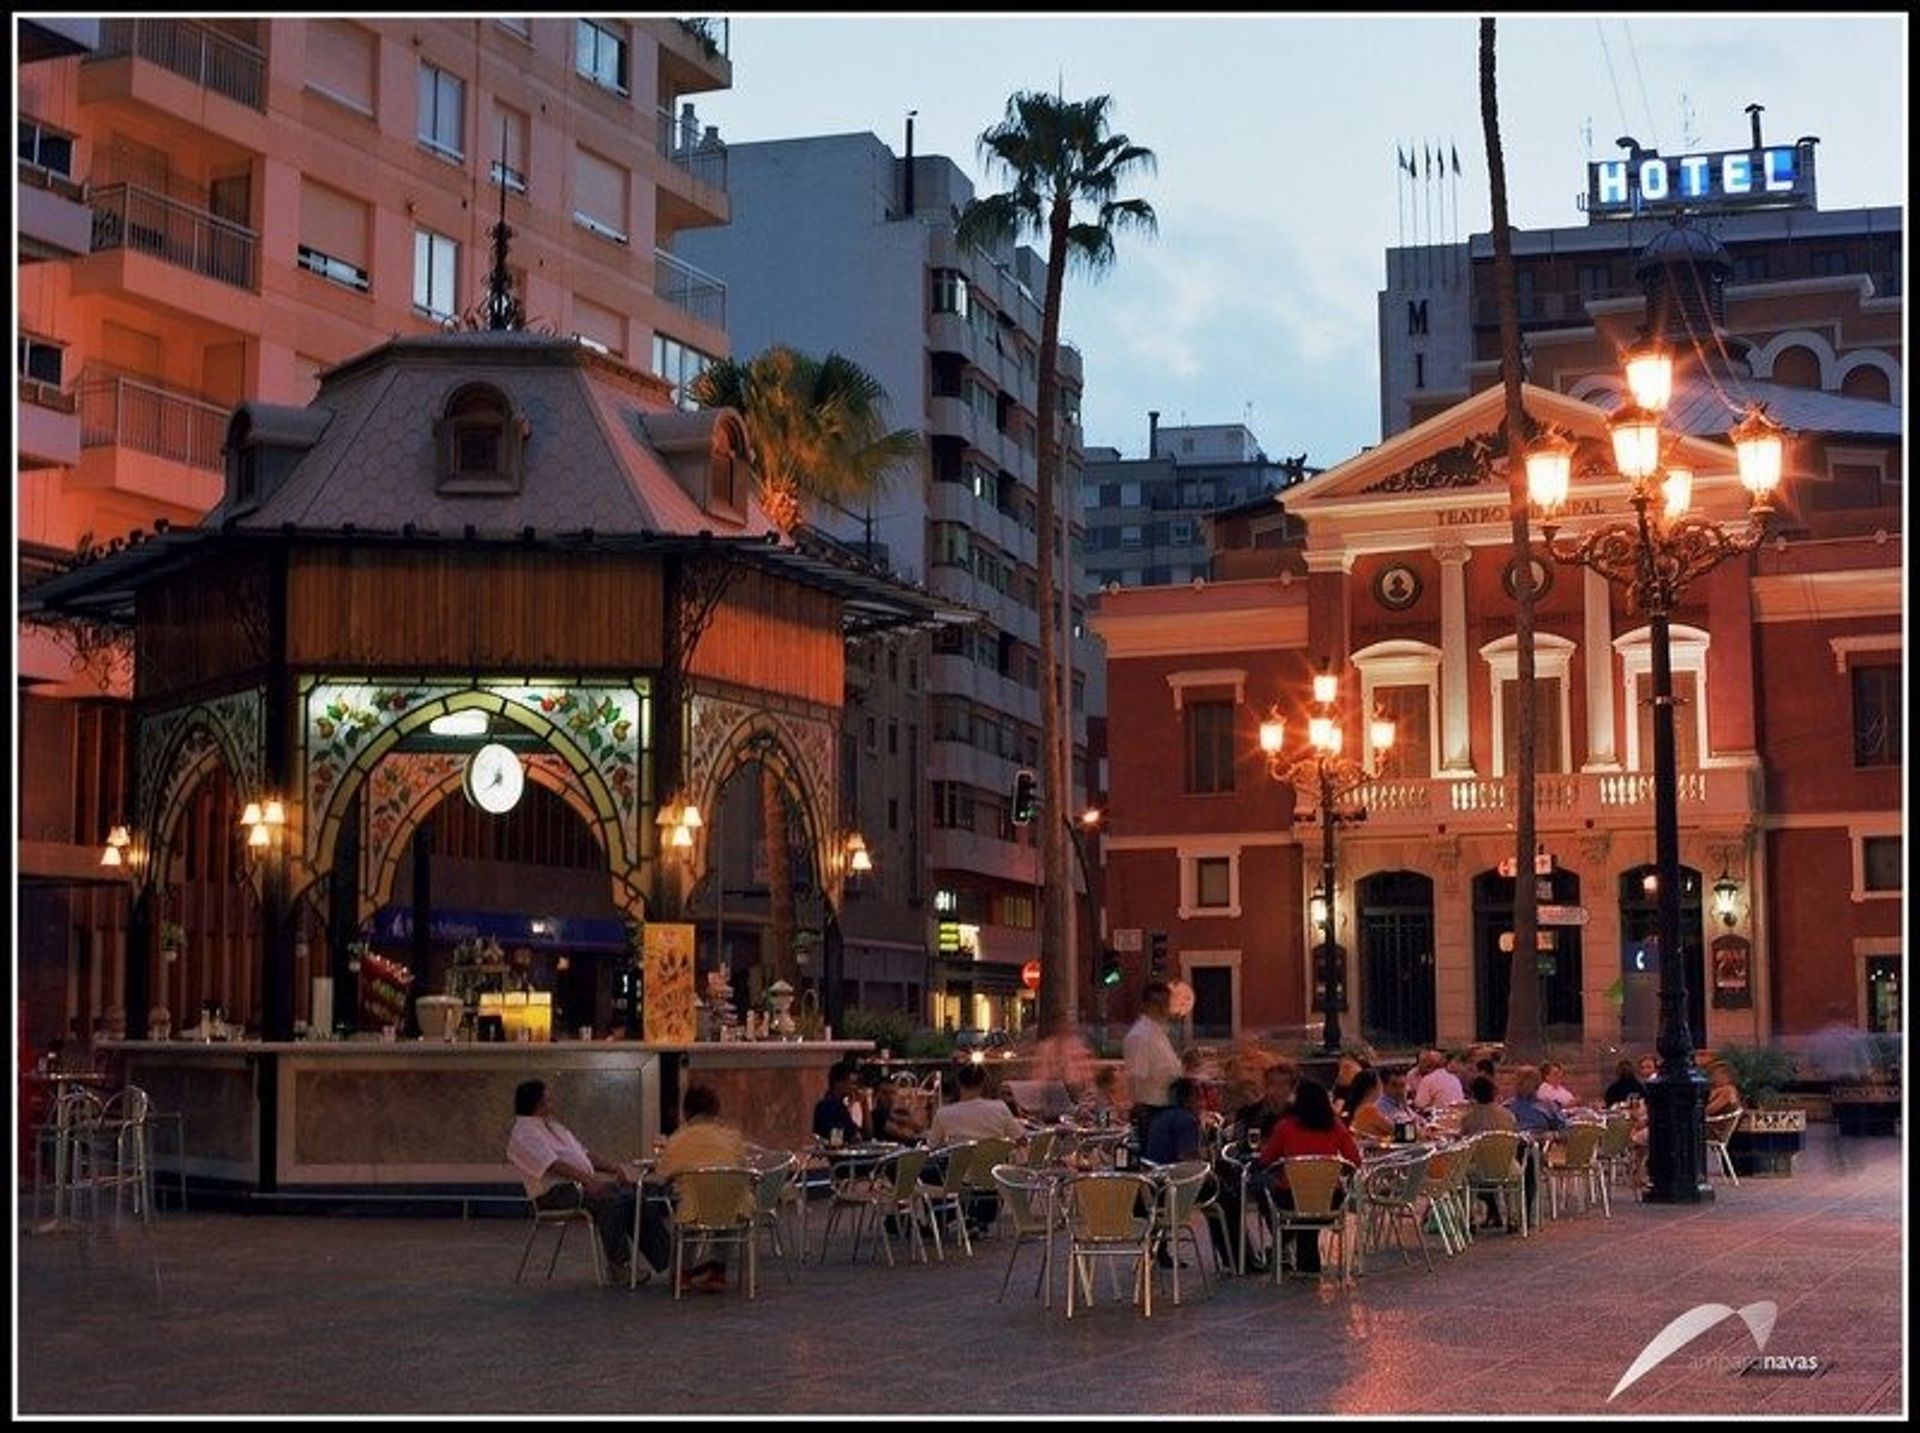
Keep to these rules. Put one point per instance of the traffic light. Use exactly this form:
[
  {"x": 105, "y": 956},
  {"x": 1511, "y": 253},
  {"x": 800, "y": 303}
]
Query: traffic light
[
  {"x": 1026, "y": 797},
  {"x": 1157, "y": 943},
  {"x": 1109, "y": 966}
]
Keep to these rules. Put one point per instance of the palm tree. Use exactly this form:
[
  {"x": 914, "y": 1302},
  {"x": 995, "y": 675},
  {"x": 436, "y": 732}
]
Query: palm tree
[
  {"x": 818, "y": 430},
  {"x": 1058, "y": 156},
  {"x": 1526, "y": 1035}
]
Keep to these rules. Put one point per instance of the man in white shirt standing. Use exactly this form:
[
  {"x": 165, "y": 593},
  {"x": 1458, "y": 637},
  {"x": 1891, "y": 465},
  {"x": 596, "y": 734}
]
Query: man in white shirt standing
[
  {"x": 559, "y": 1172},
  {"x": 1152, "y": 1064}
]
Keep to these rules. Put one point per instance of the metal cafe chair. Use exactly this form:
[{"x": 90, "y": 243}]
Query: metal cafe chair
[
  {"x": 716, "y": 1206},
  {"x": 1110, "y": 1216},
  {"x": 1320, "y": 1187},
  {"x": 563, "y": 1219}
]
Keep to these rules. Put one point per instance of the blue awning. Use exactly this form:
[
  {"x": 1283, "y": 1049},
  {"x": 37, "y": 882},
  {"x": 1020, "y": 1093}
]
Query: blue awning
[{"x": 394, "y": 925}]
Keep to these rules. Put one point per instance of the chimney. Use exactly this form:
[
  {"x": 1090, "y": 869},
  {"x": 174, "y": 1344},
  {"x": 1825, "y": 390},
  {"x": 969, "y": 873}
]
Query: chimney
[
  {"x": 1753, "y": 113},
  {"x": 1153, "y": 432},
  {"x": 906, "y": 202}
]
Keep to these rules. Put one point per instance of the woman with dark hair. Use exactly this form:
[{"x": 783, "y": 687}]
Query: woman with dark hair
[
  {"x": 1626, "y": 1085},
  {"x": 1309, "y": 1128},
  {"x": 1352, "y": 1065}
]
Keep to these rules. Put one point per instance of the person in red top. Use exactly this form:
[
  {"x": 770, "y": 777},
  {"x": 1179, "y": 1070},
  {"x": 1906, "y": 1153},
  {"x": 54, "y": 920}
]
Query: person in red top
[{"x": 1310, "y": 1127}]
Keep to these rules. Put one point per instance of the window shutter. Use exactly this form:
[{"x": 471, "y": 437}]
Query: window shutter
[
  {"x": 340, "y": 61},
  {"x": 602, "y": 325},
  {"x": 333, "y": 223},
  {"x": 600, "y": 190}
]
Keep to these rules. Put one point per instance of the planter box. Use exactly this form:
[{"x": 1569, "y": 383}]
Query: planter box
[
  {"x": 1765, "y": 1142},
  {"x": 1866, "y": 1109}
]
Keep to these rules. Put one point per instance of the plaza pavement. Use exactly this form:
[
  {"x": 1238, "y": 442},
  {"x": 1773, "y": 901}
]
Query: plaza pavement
[{"x": 225, "y": 1314}]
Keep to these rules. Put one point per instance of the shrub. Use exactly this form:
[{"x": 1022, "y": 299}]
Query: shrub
[
  {"x": 1760, "y": 1071},
  {"x": 888, "y": 1029},
  {"x": 927, "y": 1045}
]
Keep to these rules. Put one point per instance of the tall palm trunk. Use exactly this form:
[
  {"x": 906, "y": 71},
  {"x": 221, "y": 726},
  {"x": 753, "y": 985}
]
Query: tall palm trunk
[
  {"x": 1526, "y": 1036},
  {"x": 1056, "y": 960}
]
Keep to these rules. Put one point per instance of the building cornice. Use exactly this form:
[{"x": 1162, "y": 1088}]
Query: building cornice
[{"x": 1826, "y": 596}]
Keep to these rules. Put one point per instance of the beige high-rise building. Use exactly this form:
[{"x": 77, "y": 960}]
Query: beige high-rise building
[{"x": 215, "y": 211}]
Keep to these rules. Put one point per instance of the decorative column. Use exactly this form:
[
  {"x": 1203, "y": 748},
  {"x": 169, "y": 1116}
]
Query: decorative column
[
  {"x": 1456, "y": 744},
  {"x": 1603, "y": 751}
]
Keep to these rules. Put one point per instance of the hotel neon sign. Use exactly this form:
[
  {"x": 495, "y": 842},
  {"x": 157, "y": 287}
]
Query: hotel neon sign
[{"x": 1776, "y": 176}]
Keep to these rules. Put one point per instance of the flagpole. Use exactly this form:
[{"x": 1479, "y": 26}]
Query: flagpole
[
  {"x": 1400, "y": 193},
  {"x": 1429, "y": 188}
]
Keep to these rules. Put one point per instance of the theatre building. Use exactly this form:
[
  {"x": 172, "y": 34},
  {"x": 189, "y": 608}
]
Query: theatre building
[{"x": 1396, "y": 568}]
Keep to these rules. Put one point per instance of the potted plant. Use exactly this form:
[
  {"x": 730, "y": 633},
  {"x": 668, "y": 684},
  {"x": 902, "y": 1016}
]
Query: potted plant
[
  {"x": 173, "y": 940},
  {"x": 1771, "y": 1131}
]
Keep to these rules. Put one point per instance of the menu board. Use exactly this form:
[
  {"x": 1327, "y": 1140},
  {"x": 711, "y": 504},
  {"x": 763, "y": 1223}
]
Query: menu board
[{"x": 667, "y": 988}]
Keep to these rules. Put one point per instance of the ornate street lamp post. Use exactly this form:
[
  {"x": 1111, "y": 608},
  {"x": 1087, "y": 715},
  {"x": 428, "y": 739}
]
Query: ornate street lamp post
[
  {"x": 1321, "y": 774},
  {"x": 1654, "y": 555}
]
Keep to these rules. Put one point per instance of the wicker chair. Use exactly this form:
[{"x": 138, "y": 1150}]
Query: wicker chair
[
  {"x": 1320, "y": 1186},
  {"x": 1720, "y": 1130},
  {"x": 1105, "y": 1221},
  {"x": 1579, "y": 1165}
]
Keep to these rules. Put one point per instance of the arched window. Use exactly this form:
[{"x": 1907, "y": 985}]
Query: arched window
[
  {"x": 479, "y": 439},
  {"x": 728, "y": 469}
]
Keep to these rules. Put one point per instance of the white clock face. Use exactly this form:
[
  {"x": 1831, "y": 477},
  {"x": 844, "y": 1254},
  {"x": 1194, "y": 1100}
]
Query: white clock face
[{"x": 495, "y": 778}]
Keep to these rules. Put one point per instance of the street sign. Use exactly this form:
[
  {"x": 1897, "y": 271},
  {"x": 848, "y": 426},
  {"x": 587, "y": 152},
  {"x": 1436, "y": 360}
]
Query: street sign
[
  {"x": 1542, "y": 865},
  {"x": 1563, "y": 915},
  {"x": 1030, "y": 975},
  {"x": 1128, "y": 938}
]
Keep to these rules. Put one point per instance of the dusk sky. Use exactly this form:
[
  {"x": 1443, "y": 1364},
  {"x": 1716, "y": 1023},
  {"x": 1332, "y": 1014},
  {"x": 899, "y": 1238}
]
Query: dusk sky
[{"x": 1276, "y": 140}]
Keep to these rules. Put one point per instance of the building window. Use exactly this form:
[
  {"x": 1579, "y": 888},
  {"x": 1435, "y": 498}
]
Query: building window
[
  {"x": 480, "y": 438},
  {"x": 333, "y": 236},
  {"x": 1553, "y": 658},
  {"x": 41, "y": 360},
  {"x": 442, "y": 96},
  {"x": 45, "y": 149},
  {"x": 342, "y": 63},
  {"x": 1209, "y": 883},
  {"x": 893, "y": 738},
  {"x": 1548, "y": 754},
  {"x": 1876, "y": 715},
  {"x": 1180, "y": 532},
  {"x": 1594, "y": 281},
  {"x": 1881, "y": 866},
  {"x": 950, "y": 292},
  {"x": 1749, "y": 268},
  {"x": 601, "y": 329},
  {"x": 435, "y": 268},
  {"x": 680, "y": 366},
  {"x": 601, "y": 55},
  {"x": 520, "y": 25},
  {"x": 510, "y": 128},
  {"x": 1209, "y": 742},
  {"x": 1829, "y": 263},
  {"x": 1411, "y": 710}
]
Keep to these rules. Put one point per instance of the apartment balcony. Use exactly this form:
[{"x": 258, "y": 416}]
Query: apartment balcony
[
  {"x": 140, "y": 437},
  {"x": 48, "y": 419},
  {"x": 694, "y": 54},
  {"x": 695, "y": 292},
  {"x": 953, "y": 849},
  {"x": 171, "y": 253},
  {"x": 1562, "y": 801},
  {"x": 198, "y": 53},
  {"x": 51, "y": 213}
]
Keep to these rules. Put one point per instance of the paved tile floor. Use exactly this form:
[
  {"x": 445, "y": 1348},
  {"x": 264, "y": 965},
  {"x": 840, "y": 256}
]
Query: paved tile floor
[{"x": 232, "y": 1314}]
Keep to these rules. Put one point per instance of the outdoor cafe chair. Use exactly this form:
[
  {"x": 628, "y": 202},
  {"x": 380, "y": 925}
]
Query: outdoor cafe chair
[
  {"x": 1238, "y": 1159},
  {"x": 949, "y": 1195},
  {"x": 1181, "y": 1187},
  {"x": 1616, "y": 1149},
  {"x": 1493, "y": 1168},
  {"x": 1579, "y": 1165},
  {"x": 1110, "y": 1216},
  {"x": 890, "y": 1189},
  {"x": 1030, "y": 1198},
  {"x": 1390, "y": 1192},
  {"x": 1720, "y": 1130},
  {"x": 978, "y": 1179},
  {"x": 716, "y": 1206},
  {"x": 774, "y": 1174},
  {"x": 1040, "y": 1146},
  {"x": 1447, "y": 1203},
  {"x": 562, "y": 1219},
  {"x": 1321, "y": 1186}
]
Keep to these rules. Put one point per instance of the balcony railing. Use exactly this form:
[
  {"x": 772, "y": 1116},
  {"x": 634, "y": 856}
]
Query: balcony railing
[
  {"x": 682, "y": 143},
  {"x": 193, "y": 51},
  {"x": 128, "y": 216},
  {"x": 117, "y": 410},
  {"x": 1477, "y": 799},
  {"x": 692, "y": 290}
]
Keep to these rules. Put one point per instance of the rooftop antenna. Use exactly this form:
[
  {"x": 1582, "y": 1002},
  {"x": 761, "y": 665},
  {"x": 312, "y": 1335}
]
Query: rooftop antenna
[
  {"x": 1689, "y": 134},
  {"x": 906, "y": 198},
  {"x": 503, "y": 309}
]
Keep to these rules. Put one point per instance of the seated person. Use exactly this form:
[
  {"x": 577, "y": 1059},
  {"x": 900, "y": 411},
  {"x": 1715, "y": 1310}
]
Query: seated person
[
  {"x": 1553, "y": 1084},
  {"x": 561, "y": 1173},
  {"x": 1309, "y": 1128},
  {"x": 1349, "y": 1069},
  {"x": 1366, "y": 1121},
  {"x": 893, "y": 1120},
  {"x": 1441, "y": 1085},
  {"x": 973, "y": 1116},
  {"x": 1626, "y": 1085},
  {"x": 831, "y": 1113},
  {"x": 701, "y": 1142},
  {"x": 1174, "y": 1134},
  {"x": 1484, "y": 1114},
  {"x": 1252, "y": 1122},
  {"x": 1723, "y": 1096},
  {"x": 1532, "y": 1112},
  {"x": 1393, "y": 1102},
  {"x": 1105, "y": 1101}
]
